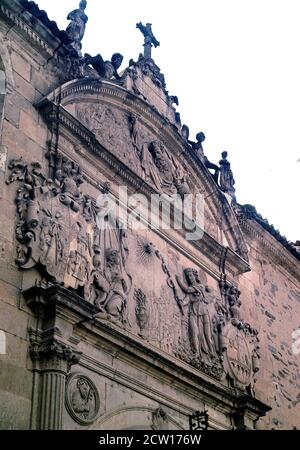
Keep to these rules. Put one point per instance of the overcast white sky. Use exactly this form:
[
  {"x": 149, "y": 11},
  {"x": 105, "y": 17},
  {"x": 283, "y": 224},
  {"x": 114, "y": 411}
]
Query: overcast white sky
[{"x": 235, "y": 66}]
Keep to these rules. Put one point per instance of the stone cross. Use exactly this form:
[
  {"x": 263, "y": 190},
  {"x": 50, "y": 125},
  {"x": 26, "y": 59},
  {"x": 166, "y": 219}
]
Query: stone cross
[{"x": 150, "y": 39}]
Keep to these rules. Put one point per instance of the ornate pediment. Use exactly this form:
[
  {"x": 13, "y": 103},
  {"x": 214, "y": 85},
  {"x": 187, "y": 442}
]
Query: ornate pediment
[{"x": 151, "y": 150}]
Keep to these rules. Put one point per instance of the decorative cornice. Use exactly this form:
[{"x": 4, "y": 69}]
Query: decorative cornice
[
  {"x": 249, "y": 212},
  {"x": 115, "y": 92},
  {"x": 40, "y": 33},
  {"x": 42, "y": 16},
  {"x": 26, "y": 28},
  {"x": 278, "y": 252}
]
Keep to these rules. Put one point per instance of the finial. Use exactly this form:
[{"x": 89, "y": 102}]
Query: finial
[{"x": 150, "y": 39}]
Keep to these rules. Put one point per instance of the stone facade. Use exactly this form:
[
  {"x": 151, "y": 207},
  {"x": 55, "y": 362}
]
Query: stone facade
[{"x": 105, "y": 326}]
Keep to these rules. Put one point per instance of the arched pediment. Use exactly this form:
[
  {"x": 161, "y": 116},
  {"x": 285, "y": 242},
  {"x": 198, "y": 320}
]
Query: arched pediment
[
  {"x": 134, "y": 418},
  {"x": 149, "y": 147}
]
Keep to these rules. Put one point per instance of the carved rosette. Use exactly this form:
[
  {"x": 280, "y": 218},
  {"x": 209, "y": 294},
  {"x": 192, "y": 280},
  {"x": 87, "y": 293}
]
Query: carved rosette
[{"x": 82, "y": 399}]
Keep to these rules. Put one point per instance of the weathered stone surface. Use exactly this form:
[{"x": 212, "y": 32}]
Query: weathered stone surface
[
  {"x": 14, "y": 411},
  {"x": 21, "y": 66},
  {"x": 133, "y": 328}
]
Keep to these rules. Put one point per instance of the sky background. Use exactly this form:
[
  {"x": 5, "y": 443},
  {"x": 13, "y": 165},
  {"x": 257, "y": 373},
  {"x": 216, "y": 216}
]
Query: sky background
[{"x": 235, "y": 66}]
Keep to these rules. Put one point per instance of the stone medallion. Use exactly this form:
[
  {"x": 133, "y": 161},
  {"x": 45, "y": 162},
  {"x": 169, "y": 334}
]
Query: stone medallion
[{"x": 82, "y": 399}]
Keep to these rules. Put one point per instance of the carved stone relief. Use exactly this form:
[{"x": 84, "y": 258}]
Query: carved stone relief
[
  {"x": 76, "y": 28},
  {"x": 202, "y": 327},
  {"x": 125, "y": 136},
  {"x": 80, "y": 244},
  {"x": 160, "y": 419},
  {"x": 82, "y": 399},
  {"x": 141, "y": 311},
  {"x": 114, "y": 131},
  {"x": 71, "y": 236},
  {"x": 215, "y": 338}
]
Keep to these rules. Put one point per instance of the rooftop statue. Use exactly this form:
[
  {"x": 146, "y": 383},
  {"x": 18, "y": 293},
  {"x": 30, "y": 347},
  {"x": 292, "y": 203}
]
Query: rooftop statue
[
  {"x": 76, "y": 28},
  {"x": 185, "y": 132},
  {"x": 106, "y": 69},
  {"x": 150, "y": 39},
  {"x": 197, "y": 147},
  {"x": 227, "y": 181}
]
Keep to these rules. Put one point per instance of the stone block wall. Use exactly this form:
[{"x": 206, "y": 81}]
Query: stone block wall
[
  {"x": 24, "y": 135},
  {"x": 270, "y": 293},
  {"x": 271, "y": 300}
]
